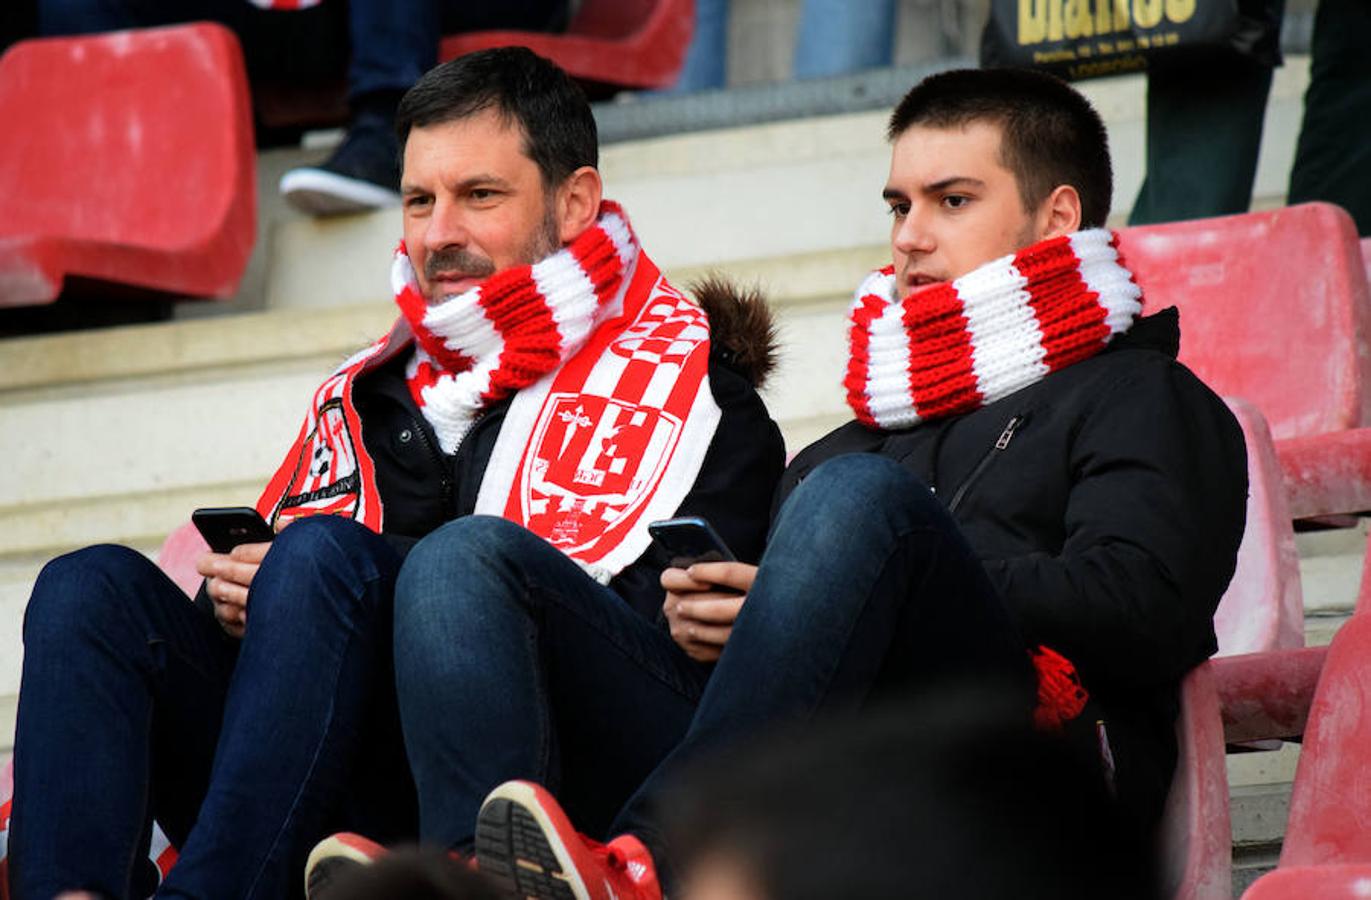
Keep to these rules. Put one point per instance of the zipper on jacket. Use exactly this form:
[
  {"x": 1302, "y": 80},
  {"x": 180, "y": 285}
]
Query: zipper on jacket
[
  {"x": 464, "y": 449},
  {"x": 443, "y": 475},
  {"x": 1001, "y": 444}
]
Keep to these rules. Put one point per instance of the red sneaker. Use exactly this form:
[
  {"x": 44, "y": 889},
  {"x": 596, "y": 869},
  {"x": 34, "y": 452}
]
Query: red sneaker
[
  {"x": 526, "y": 843},
  {"x": 334, "y": 855}
]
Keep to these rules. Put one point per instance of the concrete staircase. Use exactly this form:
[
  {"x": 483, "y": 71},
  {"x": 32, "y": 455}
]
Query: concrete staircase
[{"x": 116, "y": 434}]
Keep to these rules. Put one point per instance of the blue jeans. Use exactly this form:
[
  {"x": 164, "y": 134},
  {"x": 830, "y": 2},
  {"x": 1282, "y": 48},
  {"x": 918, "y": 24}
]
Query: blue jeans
[
  {"x": 841, "y": 36},
  {"x": 512, "y": 663},
  {"x": 134, "y": 705}
]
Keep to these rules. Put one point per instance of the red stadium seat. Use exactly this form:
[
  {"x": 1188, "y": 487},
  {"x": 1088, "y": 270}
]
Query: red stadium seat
[
  {"x": 1275, "y": 309},
  {"x": 128, "y": 164},
  {"x": 1330, "y": 805},
  {"x": 1197, "y": 854},
  {"x": 610, "y": 43},
  {"x": 1263, "y": 608},
  {"x": 1346, "y": 882}
]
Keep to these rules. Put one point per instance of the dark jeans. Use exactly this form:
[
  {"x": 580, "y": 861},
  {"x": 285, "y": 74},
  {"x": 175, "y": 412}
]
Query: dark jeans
[
  {"x": 1204, "y": 130},
  {"x": 512, "y": 663},
  {"x": 1333, "y": 155},
  {"x": 134, "y": 705},
  {"x": 393, "y": 41}
]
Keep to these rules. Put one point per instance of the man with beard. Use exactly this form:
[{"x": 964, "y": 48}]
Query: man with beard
[
  {"x": 541, "y": 369},
  {"x": 1030, "y": 475}
]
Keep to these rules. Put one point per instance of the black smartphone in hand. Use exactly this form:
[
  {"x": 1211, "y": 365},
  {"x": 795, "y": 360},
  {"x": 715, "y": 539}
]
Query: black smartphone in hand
[
  {"x": 688, "y": 540},
  {"x": 225, "y": 527}
]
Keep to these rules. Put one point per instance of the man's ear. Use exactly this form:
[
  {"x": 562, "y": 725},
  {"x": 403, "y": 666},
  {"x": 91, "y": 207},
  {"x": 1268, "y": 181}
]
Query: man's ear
[
  {"x": 1060, "y": 213},
  {"x": 578, "y": 203}
]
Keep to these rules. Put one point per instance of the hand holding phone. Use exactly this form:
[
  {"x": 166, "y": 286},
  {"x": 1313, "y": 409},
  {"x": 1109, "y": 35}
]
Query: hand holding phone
[
  {"x": 237, "y": 537},
  {"x": 702, "y": 603},
  {"x": 225, "y": 527}
]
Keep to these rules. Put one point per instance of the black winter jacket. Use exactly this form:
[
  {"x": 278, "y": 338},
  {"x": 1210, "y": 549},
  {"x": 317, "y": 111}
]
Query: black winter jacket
[
  {"x": 421, "y": 488},
  {"x": 1106, "y": 503}
]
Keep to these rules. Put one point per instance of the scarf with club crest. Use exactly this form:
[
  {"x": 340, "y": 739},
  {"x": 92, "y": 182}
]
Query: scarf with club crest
[{"x": 611, "y": 415}]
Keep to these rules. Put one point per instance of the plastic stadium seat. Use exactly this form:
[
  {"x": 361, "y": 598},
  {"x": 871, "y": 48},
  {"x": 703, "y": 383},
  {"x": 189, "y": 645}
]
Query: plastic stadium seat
[
  {"x": 177, "y": 557},
  {"x": 610, "y": 43},
  {"x": 128, "y": 161},
  {"x": 1196, "y": 828},
  {"x": 1263, "y": 608},
  {"x": 1330, "y": 804},
  {"x": 1275, "y": 309},
  {"x": 1347, "y": 882}
]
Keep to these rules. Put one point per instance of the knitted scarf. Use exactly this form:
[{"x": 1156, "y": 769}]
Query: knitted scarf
[
  {"x": 611, "y": 412},
  {"x": 479, "y": 347},
  {"x": 950, "y": 348}
]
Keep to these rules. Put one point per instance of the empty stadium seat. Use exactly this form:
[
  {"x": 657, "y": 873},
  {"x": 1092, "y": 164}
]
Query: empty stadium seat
[
  {"x": 129, "y": 164},
  {"x": 1275, "y": 309},
  {"x": 1330, "y": 804},
  {"x": 1346, "y": 882},
  {"x": 609, "y": 43},
  {"x": 1197, "y": 832},
  {"x": 1263, "y": 608}
]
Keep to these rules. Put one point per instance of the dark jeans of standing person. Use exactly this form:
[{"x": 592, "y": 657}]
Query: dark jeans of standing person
[
  {"x": 135, "y": 705},
  {"x": 512, "y": 663},
  {"x": 1333, "y": 155},
  {"x": 1204, "y": 131}
]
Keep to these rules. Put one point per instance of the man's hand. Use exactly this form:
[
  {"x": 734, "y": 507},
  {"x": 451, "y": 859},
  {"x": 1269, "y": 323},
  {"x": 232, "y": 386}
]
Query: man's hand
[
  {"x": 702, "y": 603},
  {"x": 229, "y": 575}
]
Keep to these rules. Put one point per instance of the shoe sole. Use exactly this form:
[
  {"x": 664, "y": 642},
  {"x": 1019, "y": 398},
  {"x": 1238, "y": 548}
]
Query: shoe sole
[
  {"x": 320, "y": 192},
  {"x": 327, "y": 861},
  {"x": 518, "y": 845}
]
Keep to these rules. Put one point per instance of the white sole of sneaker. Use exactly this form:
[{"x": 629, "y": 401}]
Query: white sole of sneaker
[
  {"x": 520, "y": 847},
  {"x": 320, "y": 192}
]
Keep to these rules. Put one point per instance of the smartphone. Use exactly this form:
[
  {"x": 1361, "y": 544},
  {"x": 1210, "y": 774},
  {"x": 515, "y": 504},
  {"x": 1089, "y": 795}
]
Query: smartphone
[
  {"x": 225, "y": 527},
  {"x": 688, "y": 540}
]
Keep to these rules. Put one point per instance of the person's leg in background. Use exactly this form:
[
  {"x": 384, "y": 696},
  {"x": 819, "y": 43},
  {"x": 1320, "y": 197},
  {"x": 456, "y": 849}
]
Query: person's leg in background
[
  {"x": 841, "y": 36},
  {"x": 1333, "y": 156},
  {"x": 1204, "y": 130},
  {"x": 393, "y": 43},
  {"x": 706, "y": 62}
]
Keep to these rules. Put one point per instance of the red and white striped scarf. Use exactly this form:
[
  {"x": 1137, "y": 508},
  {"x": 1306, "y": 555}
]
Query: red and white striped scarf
[
  {"x": 608, "y": 426},
  {"x": 480, "y": 346},
  {"x": 953, "y": 347}
]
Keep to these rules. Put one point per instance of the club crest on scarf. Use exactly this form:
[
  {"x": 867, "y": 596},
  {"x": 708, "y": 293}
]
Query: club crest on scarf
[{"x": 601, "y": 454}]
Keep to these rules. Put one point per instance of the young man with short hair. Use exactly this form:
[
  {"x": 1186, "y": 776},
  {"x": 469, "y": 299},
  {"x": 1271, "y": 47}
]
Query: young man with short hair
[
  {"x": 1030, "y": 474},
  {"x": 541, "y": 369}
]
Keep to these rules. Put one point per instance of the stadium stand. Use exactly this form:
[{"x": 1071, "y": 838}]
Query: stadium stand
[
  {"x": 610, "y": 44},
  {"x": 147, "y": 182}
]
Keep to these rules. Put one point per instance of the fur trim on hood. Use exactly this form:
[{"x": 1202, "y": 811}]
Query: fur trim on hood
[{"x": 741, "y": 326}]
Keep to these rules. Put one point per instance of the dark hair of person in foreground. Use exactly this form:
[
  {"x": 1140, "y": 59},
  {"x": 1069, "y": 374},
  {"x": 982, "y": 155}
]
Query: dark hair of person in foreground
[{"x": 950, "y": 795}]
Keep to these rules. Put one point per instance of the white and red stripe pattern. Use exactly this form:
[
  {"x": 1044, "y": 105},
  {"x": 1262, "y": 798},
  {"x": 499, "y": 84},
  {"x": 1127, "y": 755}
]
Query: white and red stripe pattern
[
  {"x": 516, "y": 326},
  {"x": 951, "y": 348}
]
